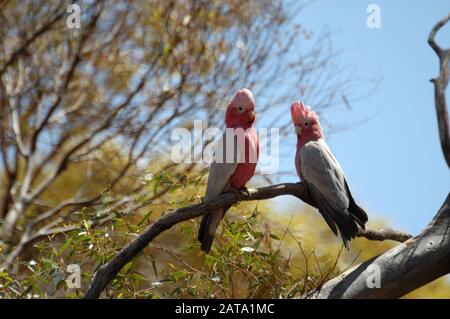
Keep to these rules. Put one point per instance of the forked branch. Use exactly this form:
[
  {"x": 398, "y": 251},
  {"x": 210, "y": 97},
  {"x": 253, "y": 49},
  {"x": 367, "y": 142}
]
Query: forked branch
[{"x": 440, "y": 85}]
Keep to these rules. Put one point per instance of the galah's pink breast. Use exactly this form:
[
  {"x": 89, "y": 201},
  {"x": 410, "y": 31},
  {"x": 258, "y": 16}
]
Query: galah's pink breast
[{"x": 245, "y": 171}]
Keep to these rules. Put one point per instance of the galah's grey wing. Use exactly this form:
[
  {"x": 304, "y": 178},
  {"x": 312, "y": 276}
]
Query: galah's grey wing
[
  {"x": 320, "y": 168},
  {"x": 326, "y": 182},
  {"x": 357, "y": 212},
  {"x": 219, "y": 176},
  {"x": 220, "y": 171}
]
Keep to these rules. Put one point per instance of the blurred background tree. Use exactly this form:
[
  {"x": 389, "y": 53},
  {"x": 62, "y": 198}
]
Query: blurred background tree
[{"x": 85, "y": 122}]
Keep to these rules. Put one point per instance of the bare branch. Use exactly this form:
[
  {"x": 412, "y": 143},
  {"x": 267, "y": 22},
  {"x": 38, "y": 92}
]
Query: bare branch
[
  {"x": 440, "y": 85},
  {"x": 64, "y": 77},
  {"x": 436, "y": 28},
  {"x": 28, "y": 238},
  {"x": 22, "y": 203},
  {"x": 56, "y": 209},
  {"x": 383, "y": 234},
  {"x": 39, "y": 31}
]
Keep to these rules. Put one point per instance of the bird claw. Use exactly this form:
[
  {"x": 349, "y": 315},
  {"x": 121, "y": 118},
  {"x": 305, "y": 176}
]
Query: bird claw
[{"x": 239, "y": 192}]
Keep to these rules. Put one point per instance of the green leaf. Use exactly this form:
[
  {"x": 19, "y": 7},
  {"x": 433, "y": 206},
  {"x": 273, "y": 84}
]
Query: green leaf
[
  {"x": 157, "y": 182},
  {"x": 273, "y": 236},
  {"x": 65, "y": 245},
  {"x": 145, "y": 218},
  {"x": 154, "y": 265},
  {"x": 178, "y": 275}
]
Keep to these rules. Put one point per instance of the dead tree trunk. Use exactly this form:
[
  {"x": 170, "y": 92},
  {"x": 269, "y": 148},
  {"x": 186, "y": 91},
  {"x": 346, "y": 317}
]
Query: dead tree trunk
[{"x": 400, "y": 270}]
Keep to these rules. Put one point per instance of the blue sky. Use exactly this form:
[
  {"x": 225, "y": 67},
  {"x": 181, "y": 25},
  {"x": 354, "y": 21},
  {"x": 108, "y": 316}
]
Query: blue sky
[{"x": 393, "y": 162}]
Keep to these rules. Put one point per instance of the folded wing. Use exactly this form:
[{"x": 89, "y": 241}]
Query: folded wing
[
  {"x": 219, "y": 177},
  {"x": 326, "y": 182}
]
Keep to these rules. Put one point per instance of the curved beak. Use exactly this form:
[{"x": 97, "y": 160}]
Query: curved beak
[
  {"x": 252, "y": 115},
  {"x": 298, "y": 130}
]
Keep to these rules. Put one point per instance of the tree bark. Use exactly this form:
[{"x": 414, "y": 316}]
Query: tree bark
[
  {"x": 401, "y": 269},
  {"x": 440, "y": 85}
]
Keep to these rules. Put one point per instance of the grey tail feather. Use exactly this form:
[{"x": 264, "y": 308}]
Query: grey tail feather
[
  {"x": 357, "y": 212},
  {"x": 329, "y": 220},
  {"x": 203, "y": 223},
  {"x": 345, "y": 221},
  {"x": 342, "y": 220},
  {"x": 204, "y": 237},
  {"x": 347, "y": 226}
]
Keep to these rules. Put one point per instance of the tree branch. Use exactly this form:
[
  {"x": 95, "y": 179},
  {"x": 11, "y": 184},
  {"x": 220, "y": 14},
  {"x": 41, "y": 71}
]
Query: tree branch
[
  {"x": 40, "y": 30},
  {"x": 401, "y": 269},
  {"x": 383, "y": 234},
  {"x": 436, "y": 28},
  {"x": 108, "y": 271},
  {"x": 440, "y": 85}
]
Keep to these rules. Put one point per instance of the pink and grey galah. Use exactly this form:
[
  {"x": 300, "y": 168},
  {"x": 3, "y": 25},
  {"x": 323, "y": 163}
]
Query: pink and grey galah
[
  {"x": 231, "y": 175},
  {"x": 323, "y": 176}
]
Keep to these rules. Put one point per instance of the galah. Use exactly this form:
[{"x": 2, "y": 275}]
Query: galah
[
  {"x": 232, "y": 174},
  {"x": 323, "y": 176}
]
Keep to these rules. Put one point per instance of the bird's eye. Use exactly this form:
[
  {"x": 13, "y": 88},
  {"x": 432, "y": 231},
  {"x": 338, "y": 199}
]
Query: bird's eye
[
  {"x": 240, "y": 109},
  {"x": 306, "y": 124}
]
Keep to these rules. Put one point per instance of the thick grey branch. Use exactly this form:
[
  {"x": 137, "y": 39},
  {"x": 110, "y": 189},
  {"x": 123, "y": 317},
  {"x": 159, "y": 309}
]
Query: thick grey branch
[{"x": 401, "y": 269}]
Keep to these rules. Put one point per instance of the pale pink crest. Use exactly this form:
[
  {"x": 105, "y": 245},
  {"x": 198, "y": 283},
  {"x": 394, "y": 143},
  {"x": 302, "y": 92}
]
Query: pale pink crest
[
  {"x": 243, "y": 97},
  {"x": 300, "y": 112}
]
